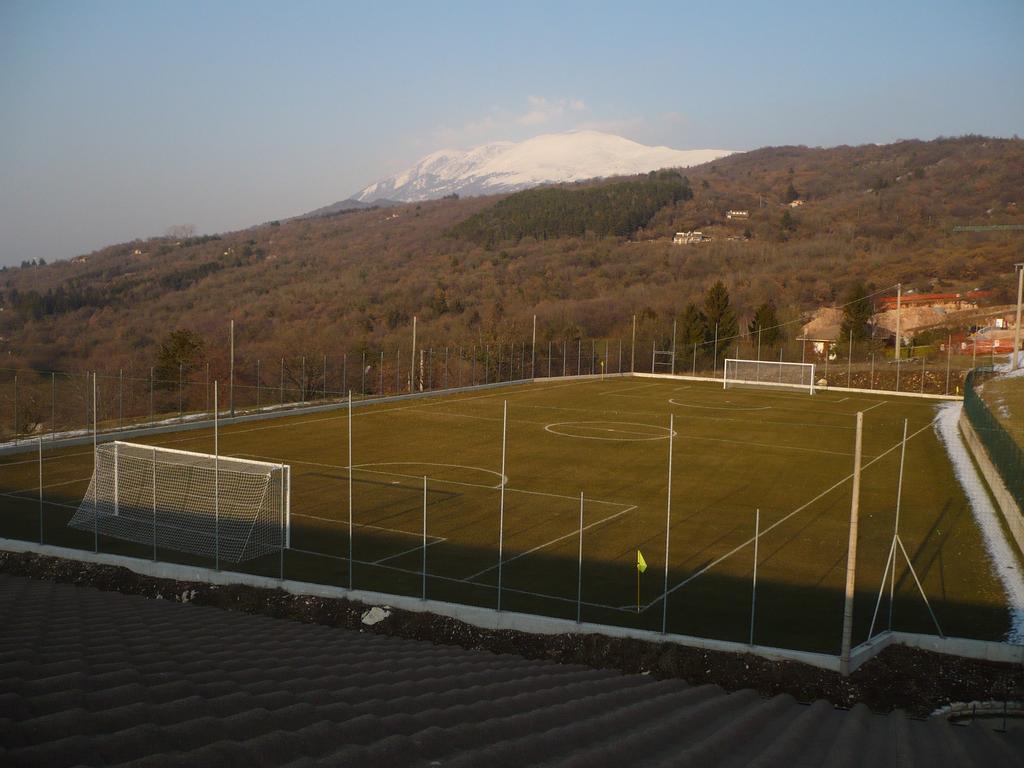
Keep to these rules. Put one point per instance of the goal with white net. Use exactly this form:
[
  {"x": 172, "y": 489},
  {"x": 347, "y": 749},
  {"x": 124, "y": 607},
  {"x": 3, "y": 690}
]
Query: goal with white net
[
  {"x": 768, "y": 373},
  {"x": 218, "y": 506}
]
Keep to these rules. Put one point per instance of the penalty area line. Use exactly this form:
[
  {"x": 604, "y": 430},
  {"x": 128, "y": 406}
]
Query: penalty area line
[{"x": 539, "y": 547}]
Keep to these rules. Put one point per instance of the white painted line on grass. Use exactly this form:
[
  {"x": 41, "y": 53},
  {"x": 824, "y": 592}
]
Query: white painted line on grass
[
  {"x": 723, "y": 407},
  {"x": 783, "y": 519},
  {"x": 452, "y": 579},
  {"x": 344, "y": 524},
  {"x": 437, "y": 540},
  {"x": 586, "y": 426},
  {"x": 575, "y": 532}
]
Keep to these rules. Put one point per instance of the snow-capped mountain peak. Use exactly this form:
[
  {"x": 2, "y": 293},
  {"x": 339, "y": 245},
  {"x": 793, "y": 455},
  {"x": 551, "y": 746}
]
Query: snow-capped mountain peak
[{"x": 505, "y": 166}]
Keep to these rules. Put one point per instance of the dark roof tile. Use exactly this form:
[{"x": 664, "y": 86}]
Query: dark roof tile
[{"x": 100, "y": 678}]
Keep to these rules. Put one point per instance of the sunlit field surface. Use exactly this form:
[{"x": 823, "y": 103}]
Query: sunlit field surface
[{"x": 783, "y": 452}]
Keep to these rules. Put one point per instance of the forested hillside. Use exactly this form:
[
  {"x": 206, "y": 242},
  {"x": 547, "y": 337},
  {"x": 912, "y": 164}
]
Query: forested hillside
[
  {"x": 616, "y": 209},
  {"x": 584, "y": 259}
]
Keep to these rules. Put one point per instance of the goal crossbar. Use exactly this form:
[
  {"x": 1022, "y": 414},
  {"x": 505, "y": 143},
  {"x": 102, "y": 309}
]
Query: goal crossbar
[
  {"x": 768, "y": 373},
  {"x": 230, "y": 508}
]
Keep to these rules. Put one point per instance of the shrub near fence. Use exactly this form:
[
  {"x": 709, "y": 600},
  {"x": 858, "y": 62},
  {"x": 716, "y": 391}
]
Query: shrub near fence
[{"x": 1004, "y": 451}]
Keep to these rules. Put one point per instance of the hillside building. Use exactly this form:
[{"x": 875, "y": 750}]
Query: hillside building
[{"x": 690, "y": 237}]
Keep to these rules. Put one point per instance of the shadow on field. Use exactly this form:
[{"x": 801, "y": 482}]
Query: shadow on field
[{"x": 714, "y": 605}]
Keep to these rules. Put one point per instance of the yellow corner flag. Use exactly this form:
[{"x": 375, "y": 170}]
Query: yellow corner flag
[{"x": 641, "y": 564}]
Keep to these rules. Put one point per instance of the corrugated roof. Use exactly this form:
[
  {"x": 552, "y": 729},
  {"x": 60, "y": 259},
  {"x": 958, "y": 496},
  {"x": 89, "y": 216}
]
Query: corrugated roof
[{"x": 101, "y": 678}]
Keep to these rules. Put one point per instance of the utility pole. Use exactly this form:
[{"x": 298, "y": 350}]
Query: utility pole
[
  {"x": 231, "y": 382},
  {"x": 899, "y": 341},
  {"x": 412, "y": 367},
  {"x": 533, "y": 351},
  {"x": 632, "y": 350},
  {"x": 1016, "y": 333}
]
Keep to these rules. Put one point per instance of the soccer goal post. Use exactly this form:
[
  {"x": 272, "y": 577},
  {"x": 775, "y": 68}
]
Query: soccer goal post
[
  {"x": 234, "y": 509},
  {"x": 768, "y": 373}
]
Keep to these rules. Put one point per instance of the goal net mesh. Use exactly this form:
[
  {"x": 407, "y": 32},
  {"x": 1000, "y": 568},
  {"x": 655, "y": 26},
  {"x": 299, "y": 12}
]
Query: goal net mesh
[
  {"x": 768, "y": 373},
  {"x": 187, "y": 502}
]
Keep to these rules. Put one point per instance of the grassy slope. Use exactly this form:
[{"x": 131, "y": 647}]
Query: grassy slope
[
  {"x": 735, "y": 451},
  {"x": 878, "y": 213},
  {"x": 1005, "y": 398}
]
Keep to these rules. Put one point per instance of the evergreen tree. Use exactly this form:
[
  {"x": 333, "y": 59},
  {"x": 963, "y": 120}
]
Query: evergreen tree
[
  {"x": 692, "y": 326},
  {"x": 766, "y": 321},
  {"x": 180, "y": 351},
  {"x": 856, "y": 314},
  {"x": 718, "y": 314}
]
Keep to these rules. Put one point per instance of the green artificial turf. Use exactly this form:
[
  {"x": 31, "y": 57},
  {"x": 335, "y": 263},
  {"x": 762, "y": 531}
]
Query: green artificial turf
[{"x": 786, "y": 453}]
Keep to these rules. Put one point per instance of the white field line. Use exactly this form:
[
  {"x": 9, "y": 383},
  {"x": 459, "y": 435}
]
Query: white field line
[
  {"x": 773, "y": 446},
  {"x": 34, "y": 496},
  {"x": 454, "y": 580},
  {"x": 35, "y": 488},
  {"x": 437, "y": 540},
  {"x": 630, "y": 389},
  {"x": 874, "y": 406},
  {"x": 672, "y": 401},
  {"x": 783, "y": 519},
  {"x": 344, "y": 524},
  {"x": 363, "y": 410},
  {"x": 575, "y": 532},
  {"x": 458, "y": 482},
  {"x": 175, "y": 438},
  {"x": 1005, "y": 564},
  {"x": 361, "y": 468},
  {"x": 705, "y": 418}
]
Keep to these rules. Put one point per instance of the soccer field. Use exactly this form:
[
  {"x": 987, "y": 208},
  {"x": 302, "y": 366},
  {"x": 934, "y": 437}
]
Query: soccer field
[{"x": 783, "y": 452}]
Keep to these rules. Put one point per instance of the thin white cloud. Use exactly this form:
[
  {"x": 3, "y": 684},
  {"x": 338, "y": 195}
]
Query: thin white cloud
[
  {"x": 553, "y": 114},
  {"x": 543, "y": 110}
]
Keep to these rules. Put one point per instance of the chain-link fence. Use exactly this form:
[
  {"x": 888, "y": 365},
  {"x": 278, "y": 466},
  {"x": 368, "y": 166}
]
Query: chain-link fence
[{"x": 1005, "y": 452}]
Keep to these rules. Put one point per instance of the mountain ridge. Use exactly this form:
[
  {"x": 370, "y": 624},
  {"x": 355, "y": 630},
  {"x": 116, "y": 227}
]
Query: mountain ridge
[
  {"x": 504, "y": 166},
  {"x": 872, "y": 213}
]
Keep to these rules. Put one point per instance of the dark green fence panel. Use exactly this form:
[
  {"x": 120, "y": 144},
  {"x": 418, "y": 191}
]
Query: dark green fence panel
[{"x": 1005, "y": 452}]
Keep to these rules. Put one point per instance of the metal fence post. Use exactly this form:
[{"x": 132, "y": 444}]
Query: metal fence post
[
  {"x": 668, "y": 522},
  {"x": 753, "y": 595},
  {"x": 350, "y": 585},
  {"x": 40, "y": 489},
  {"x": 501, "y": 510},
  {"x": 424, "y": 537},
  {"x": 949, "y": 358},
  {"x": 579, "y": 568},
  {"x": 154, "y": 504},
  {"x": 216, "y": 480}
]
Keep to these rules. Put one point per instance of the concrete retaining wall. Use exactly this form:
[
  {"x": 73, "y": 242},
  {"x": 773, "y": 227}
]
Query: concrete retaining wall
[
  {"x": 484, "y": 618},
  {"x": 827, "y": 388},
  {"x": 487, "y": 618},
  {"x": 985, "y": 650},
  {"x": 1004, "y": 499}
]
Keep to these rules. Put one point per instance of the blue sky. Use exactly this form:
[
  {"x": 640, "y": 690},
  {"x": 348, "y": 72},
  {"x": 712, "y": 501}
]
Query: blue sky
[{"x": 121, "y": 119}]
